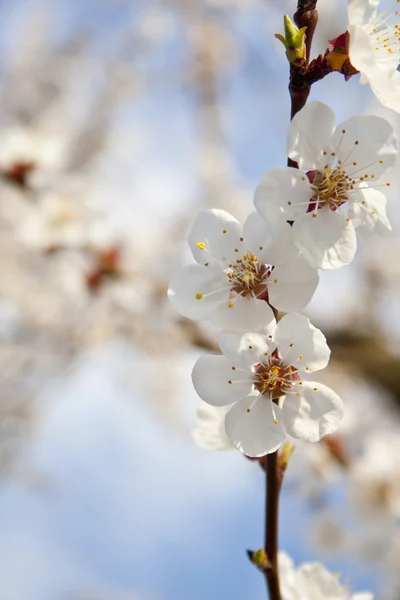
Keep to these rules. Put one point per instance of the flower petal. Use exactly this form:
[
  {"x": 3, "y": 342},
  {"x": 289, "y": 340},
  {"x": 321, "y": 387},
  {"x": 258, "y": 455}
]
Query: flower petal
[
  {"x": 282, "y": 195},
  {"x": 361, "y": 11},
  {"x": 255, "y": 432},
  {"x": 271, "y": 244},
  {"x": 217, "y": 383},
  {"x": 196, "y": 291},
  {"x": 216, "y": 235},
  {"x": 242, "y": 314},
  {"x": 361, "y": 51},
  {"x": 310, "y": 135},
  {"x": 386, "y": 89},
  {"x": 314, "y": 413},
  {"x": 291, "y": 288},
  {"x": 328, "y": 241},
  {"x": 247, "y": 349},
  {"x": 369, "y": 214},
  {"x": 258, "y": 236},
  {"x": 369, "y": 141},
  {"x": 301, "y": 344},
  {"x": 209, "y": 432}
]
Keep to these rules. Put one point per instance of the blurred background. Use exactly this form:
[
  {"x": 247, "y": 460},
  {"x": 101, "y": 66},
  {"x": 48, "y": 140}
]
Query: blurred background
[{"x": 119, "y": 121}]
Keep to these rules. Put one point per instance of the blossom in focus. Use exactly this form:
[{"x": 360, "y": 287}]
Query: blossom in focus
[
  {"x": 374, "y": 48},
  {"x": 238, "y": 269},
  {"x": 312, "y": 581},
  {"x": 260, "y": 376},
  {"x": 338, "y": 187}
]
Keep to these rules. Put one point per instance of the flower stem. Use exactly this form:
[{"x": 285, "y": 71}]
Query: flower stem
[
  {"x": 300, "y": 83},
  {"x": 273, "y": 478}
]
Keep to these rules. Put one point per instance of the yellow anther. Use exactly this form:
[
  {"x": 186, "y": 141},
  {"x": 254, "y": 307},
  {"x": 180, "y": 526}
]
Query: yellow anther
[
  {"x": 201, "y": 245},
  {"x": 315, "y": 389},
  {"x": 199, "y": 296},
  {"x": 224, "y": 231},
  {"x": 230, "y": 304},
  {"x": 275, "y": 281},
  {"x": 249, "y": 409},
  {"x": 236, "y": 249},
  {"x": 373, "y": 212},
  {"x": 381, "y": 161},
  {"x": 314, "y": 214},
  {"x": 206, "y": 264},
  {"x": 250, "y": 347},
  {"x": 300, "y": 356},
  {"x": 307, "y": 368},
  {"x": 298, "y": 394},
  {"x": 275, "y": 421}
]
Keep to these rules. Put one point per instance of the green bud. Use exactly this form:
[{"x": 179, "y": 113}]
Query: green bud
[
  {"x": 294, "y": 40},
  {"x": 259, "y": 559}
]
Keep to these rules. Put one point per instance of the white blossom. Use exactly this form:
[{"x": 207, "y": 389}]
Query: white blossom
[
  {"x": 312, "y": 581},
  {"x": 338, "y": 186},
  {"x": 238, "y": 269},
  {"x": 374, "y": 48},
  {"x": 260, "y": 376}
]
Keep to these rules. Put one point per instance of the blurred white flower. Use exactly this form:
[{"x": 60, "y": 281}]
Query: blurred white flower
[
  {"x": 312, "y": 581},
  {"x": 59, "y": 220},
  {"x": 209, "y": 432},
  {"x": 375, "y": 475},
  {"x": 335, "y": 189},
  {"x": 30, "y": 155}
]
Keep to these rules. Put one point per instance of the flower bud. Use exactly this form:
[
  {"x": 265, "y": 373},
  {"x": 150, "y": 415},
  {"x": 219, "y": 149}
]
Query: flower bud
[
  {"x": 294, "y": 41},
  {"x": 259, "y": 559}
]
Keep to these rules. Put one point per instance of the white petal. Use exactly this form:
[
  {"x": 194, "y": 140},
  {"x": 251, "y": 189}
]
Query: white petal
[
  {"x": 314, "y": 581},
  {"x": 247, "y": 349},
  {"x": 242, "y": 314},
  {"x": 386, "y": 89},
  {"x": 361, "y": 51},
  {"x": 301, "y": 344},
  {"x": 376, "y": 141},
  {"x": 291, "y": 287},
  {"x": 211, "y": 376},
  {"x": 316, "y": 412},
  {"x": 208, "y": 229},
  {"x": 272, "y": 244},
  {"x": 192, "y": 281},
  {"x": 327, "y": 241},
  {"x": 310, "y": 135},
  {"x": 283, "y": 194},
  {"x": 258, "y": 236},
  {"x": 255, "y": 433},
  {"x": 370, "y": 217},
  {"x": 209, "y": 432},
  {"x": 361, "y": 11}
]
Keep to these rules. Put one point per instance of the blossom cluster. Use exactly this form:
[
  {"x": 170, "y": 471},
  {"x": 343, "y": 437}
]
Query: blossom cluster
[{"x": 306, "y": 220}]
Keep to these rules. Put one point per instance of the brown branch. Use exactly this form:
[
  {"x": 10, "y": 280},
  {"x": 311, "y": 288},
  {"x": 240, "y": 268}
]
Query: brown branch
[{"x": 273, "y": 482}]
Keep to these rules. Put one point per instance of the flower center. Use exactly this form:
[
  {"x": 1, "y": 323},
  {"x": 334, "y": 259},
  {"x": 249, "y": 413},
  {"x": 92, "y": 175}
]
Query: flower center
[
  {"x": 385, "y": 37},
  {"x": 248, "y": 277},
  {"x": 274, "y": 378},
  {"x": 330, "y": 187}
]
